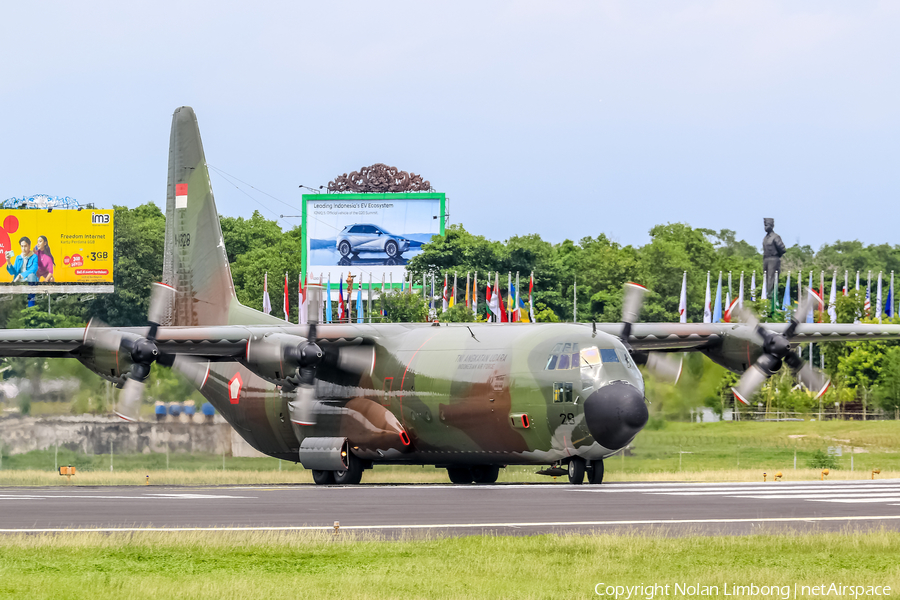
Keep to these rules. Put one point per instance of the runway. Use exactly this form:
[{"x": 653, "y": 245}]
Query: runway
[{"x": 392, "y": 510}]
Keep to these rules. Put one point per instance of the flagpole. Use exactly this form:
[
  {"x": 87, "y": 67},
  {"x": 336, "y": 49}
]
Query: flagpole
[{"x": 575, "y": 299}]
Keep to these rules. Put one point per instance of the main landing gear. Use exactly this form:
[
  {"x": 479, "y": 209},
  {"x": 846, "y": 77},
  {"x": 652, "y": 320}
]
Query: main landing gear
[
  {"x": 578, "y": 468},
  {"x": 476, "y": 474},
  {"x": 351, "y": 476}
]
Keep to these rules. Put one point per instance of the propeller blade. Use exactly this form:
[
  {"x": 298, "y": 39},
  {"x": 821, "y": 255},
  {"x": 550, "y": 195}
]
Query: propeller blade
[
  {"x": 750, "y": 383},
  {"x": 303, "y": 408},
  {"x": 193, "y": 369},
  {"x": 665, "y": 367},
  {"x": 813, "y": 379},
  {"x": 129, "y": 407},
  {"x": 98, "y": 335},
  {"x": 161, "y": 296},
  {"x": 810, "y": 298},
  {"x": 632, "y": 302}
]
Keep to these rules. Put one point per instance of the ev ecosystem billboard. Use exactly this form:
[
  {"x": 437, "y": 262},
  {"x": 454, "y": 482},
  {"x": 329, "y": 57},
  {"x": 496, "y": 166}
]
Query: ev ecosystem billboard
[
  {"x": 367, "y": 235},
  {"x": 58, "y": 247}
]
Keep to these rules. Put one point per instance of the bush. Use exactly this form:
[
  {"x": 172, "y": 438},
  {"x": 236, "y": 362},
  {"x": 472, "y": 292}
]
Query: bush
[{"x": 822, "y": 460}]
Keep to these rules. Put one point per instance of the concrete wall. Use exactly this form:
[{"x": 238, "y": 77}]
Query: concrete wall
[{"x": 92, "y": 435}]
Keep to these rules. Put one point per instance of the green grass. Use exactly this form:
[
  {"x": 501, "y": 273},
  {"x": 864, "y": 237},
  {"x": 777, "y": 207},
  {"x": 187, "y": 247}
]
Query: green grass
[
  {"x": 679, "y": 451},
  {"x": 235, "y": 565}
]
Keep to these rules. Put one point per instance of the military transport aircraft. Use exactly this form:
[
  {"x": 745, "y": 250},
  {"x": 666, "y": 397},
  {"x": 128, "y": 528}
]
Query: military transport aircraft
[{"x": 339, "y": 398}]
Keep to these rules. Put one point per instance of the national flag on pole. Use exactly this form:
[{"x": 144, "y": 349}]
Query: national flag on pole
[
  {"x": 287, "y": 300},
  {"x": 522, "y": 311},
  {"x": 846, "y": 285},
  {"x": 832, "y": 299},
  {"x": 453, "y": 296},
  {"x": 682, "y": 300},
  {"x": 360, "y": 317},
  {"x": 753, "y": 287},
  {"x": 494, "y": 300},
  {"x": 445, "y": 296},
  {"x": 889, "y": 303},
  {"x": 322, "y": 302},
  {"x": 809, "y": 316},
  {"x": 488, "y": 297},
  {"x": 517, "y": 312},
  {"x": 707, "y": 307},
  {"x": 509, "y": 298},
  {"x": 303, "y": 303},
  {"x": 531, "y": 298},
  {"x": 867, "y": 307},
  {"x": 267, "y": 303},
  {"x": 728, "y": 291},
  {"x": 741, "y": 292},
  {"x": 341, "y": 299},
  {"x": 475, "y": 294},
  {"x": 717, "y": 309},
  {"x": 786, "y": 301},
  {"x": 383, "y": 310},
  {"x": 468, "y": 276},
  {"x": 878, "y": 299},
  {"x": 765, "y": 287}
]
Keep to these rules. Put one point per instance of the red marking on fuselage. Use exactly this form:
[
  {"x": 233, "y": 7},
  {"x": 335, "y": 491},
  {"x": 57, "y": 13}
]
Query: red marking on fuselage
[{"x": 234, "y": 388}]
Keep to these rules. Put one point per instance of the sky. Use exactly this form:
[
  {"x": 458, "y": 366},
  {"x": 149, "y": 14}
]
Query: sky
[{"x": 563, "y": 119}]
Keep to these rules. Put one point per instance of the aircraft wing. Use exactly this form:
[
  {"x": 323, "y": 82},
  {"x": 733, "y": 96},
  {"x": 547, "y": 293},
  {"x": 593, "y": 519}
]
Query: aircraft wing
[
  {"x": 701, "y": 336},
  {"x": 224, "y": 342}
]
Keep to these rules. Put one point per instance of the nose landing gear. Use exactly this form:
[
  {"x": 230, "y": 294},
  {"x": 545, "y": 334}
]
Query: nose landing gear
[{"x": 578, "y": 468}]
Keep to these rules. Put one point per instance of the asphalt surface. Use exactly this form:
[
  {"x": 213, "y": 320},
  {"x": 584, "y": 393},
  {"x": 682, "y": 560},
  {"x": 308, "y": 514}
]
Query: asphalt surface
[{"x": 392, "y": 510}]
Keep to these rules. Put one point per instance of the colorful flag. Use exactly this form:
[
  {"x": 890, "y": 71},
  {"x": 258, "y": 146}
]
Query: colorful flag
[
  {"x": 341, "y": 299},
  {"x": 303, "y": 303},
  {"x": 445, "y": 296},
  {"x": 360, "y": 317},
  {"x": 497, "y": 301},
  {"x": 531, "y": 298},
  {"x": 809, "y": 290},
  {"x": 328, "y": 313},
  {"x": 682, "y": 300},
  {"x": 509, "y": 298},
  {"x": 321, "y": 302},
  {"x": 741, "y": 292},
  {"x": 468, "y": 276},
  {"x": 522, "y": 311},
  {"x": 475, "y": 294},
  {"x": 707, "y": 306},
  {"x": 267, "y": 303},
  {"x": 786, "y": 301},
  {"x": 717, "y": 309},
  {"x": 878, "y": 299},
  {"x": 287, "y": 300},
  {"x": 832, "y": 299},
  {"x": 764, "y": 290},
  {"x": 867, "y": 306},
  {"x": 488, "y": 297},
  {"x": 728, "y": 292},
  {"x": 517, "y": 315},
  {"x": 889, "y": 303},
  {"x": 846, "y": 286},
  {"x": 453, "y": 295}
]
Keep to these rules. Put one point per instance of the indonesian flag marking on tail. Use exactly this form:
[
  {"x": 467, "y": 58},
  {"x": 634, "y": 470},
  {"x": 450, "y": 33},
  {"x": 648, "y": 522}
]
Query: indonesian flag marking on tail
[{"x": 181, "y": 195}]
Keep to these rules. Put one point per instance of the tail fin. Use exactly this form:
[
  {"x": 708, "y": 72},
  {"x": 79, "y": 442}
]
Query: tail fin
[{"x": 195, "y": 263}]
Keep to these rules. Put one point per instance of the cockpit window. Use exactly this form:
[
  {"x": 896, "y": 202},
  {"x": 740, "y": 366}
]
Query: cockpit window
[
  {"x": 608, "y": 355},
  {"x": 563, "y": 362},
  {"x": 590, "y": 357},
  {"x": 551, "y": 364}
]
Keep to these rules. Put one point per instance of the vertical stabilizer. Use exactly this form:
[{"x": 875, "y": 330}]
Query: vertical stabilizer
[{"x": 195, "y": 262}]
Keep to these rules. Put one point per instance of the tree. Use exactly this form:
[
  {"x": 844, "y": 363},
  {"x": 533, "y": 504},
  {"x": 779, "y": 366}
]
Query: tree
[{"x": 403, "y": 307}]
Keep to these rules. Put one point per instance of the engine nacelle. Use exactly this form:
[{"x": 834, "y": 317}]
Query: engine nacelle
[
  {"x": 112, "y": 365},
  {"x": 267, "y": 357}
]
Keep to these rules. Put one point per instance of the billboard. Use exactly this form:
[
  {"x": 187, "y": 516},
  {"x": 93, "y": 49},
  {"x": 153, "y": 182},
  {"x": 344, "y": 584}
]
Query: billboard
[
  {"x": 368, "y": 235},
  {"x": 56, "y": 247}
]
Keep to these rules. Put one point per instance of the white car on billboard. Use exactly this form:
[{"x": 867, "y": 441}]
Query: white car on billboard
[{"x": 365, "y": 237}]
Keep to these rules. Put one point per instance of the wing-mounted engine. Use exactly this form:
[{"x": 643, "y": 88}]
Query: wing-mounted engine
[{"x": 108, "y": 352}]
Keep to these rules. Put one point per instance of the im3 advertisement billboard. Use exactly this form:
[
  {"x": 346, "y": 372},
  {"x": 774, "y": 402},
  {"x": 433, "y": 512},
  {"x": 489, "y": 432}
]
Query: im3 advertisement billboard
[{"x": 55, "y": 247}]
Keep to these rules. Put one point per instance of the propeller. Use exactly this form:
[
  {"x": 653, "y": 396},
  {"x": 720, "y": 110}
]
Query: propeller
[
  {"x": 777, "y": 350},
  {"x": 142, "y": 352},
  {"x": 664, "y": 366},
  {"x": 308, "y": 356}
]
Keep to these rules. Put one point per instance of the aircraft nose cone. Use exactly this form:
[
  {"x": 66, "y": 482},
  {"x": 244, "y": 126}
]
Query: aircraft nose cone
[{"x": 615, "y": 413}]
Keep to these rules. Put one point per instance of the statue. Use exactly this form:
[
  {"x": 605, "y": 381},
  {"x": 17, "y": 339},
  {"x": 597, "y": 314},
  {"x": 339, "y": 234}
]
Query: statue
[{"x": 773, "y": 250}]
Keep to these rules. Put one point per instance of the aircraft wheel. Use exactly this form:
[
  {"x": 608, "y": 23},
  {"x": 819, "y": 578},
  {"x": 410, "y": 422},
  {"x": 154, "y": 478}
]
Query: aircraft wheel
[
  {"x": 391, "y": 248},
  {"x": 353, "y": 474},
  {"x": 485, "y": 473},
  {"x": 460, "y": 474},
  {"x": 344, "y": 248},
  {"x": 323, "y": 477},
  {"x": 576, "y": 470},
  {"x": 595, "y": 472}
]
